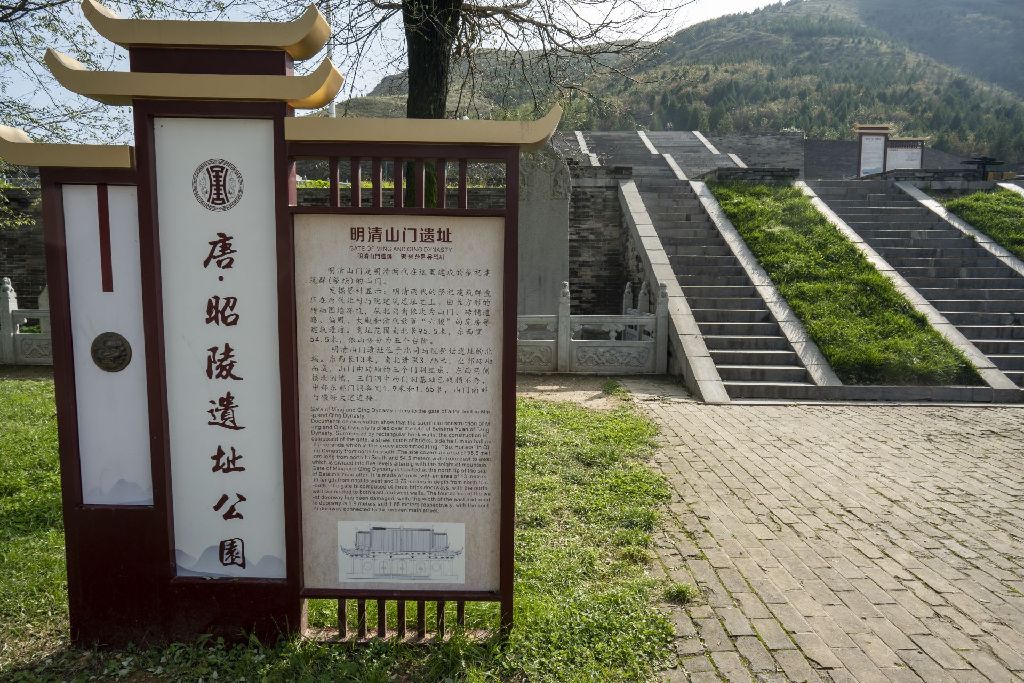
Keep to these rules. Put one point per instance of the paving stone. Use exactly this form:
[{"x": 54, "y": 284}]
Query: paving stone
[
  {"x": 773, "y": 634},
  {"x": 817, "y": 650},
  {"x": 884, "y": 540},
  {"x": 990, "y": 666},
  {"x": 861, "y": 666},
  {"x": 754, "y": 652},
  {"x": 697, "y": 664},
  {"x": 730, "y": 666},
  {"x": 946, "y": 657},
  {"x": 879, "y": 653},
  {"x": 735, "y": 623},
  {"x": 714, "y": 636},
  {"x": 796, "y": 666}
]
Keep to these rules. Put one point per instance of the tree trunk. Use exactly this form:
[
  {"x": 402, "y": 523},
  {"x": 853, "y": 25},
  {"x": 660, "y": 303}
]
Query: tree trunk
[{"x": 431, "y": 27}]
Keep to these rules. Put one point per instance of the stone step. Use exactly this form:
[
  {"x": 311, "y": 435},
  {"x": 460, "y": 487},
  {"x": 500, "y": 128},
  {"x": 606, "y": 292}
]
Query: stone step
[
  {"x": 980, "y": 261},
  {"x": 719, "y": 280},
  {"x": 946, "y": 293},
  {"x": 719, "y": 291},
  {"x": 967, "y": 283},
  {"x": 695, "y": 248},
  {"x": 739, "y": 329},
  {"x": 885, "y": 233},
  {"x": 1015, "y": 376},
  {"x": 731, "y": 315},
  {"x": 735, "y": 303},
  {"x": 945, "y": 242},
  {"x": 1000, "y": 346},
  {"x": 746, "y": 357},
  {"x": 879, "y": 205},
  {"x": 992, "y": 331},
  {"x": 769, "y": 390},
  {"x": 948, "y": 272},
  {"x": 996, "y": 305},
  {"x": 898, "y": 221},
  {"x": 671, "y": 232},
  {"x": 1007, "y": 362},
  {"x": 739, "y": 342},
  {"x": 924, "y": 252},
  {"x": 762, "y": 373},
  {"x": 702, "y": 260},
  {"x": 983, "y": 318},
  {"x": 708, "y": 272}
]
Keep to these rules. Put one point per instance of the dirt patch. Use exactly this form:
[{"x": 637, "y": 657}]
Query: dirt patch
[{"x": 585, "y": 390}]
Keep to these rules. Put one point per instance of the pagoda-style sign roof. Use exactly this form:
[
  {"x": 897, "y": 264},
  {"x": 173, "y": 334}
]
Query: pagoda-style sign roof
[
  {"x": 17, "y": 148},
  {"x": 311, "y": 91},
  {"x": 871, "y": 128},
  {"x": 526, "y": 134},
  {"x": 301, "y": 38}
]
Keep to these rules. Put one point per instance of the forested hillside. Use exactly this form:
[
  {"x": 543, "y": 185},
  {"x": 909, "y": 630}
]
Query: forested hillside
[{"x": 815, "y": 65}]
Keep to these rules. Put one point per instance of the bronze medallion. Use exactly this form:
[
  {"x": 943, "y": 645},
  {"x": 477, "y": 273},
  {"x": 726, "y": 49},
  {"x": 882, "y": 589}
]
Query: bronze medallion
[{"x": 111, "y": 352}]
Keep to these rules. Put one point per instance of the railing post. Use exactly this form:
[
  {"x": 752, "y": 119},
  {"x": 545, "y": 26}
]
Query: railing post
[
  {"x": 643, "y": 301},
  {"x": 44, "y": 305},
  {"x": 8, "y": 303},
  {"x": 627, "y": 298},
  {"x": 661, "y": 331},
  {"x": 564, "y": 328}
]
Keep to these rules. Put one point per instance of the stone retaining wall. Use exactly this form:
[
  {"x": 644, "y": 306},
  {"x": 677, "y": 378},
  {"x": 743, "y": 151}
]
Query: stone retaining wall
[{"x": 597, "y": 266}]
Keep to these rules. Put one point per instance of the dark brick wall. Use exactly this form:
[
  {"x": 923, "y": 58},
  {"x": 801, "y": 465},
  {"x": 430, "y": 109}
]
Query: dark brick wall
[
  {"x": 21, "y": 251},
  {"x": 837, "y": 159},
  {"x": 597, "y": 270},
  {"x": 764, "y": 150}
]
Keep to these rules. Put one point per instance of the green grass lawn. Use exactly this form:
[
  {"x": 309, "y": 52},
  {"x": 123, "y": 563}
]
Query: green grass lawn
[
  {"x": 867, "y": 330},
  {"x": 998, "y": 214},
  {"x": 586, "y": 509}
]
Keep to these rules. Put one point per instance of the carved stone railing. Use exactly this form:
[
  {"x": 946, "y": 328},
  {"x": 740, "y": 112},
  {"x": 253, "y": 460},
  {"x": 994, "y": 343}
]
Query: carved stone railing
[
  {"x": 634, "y": 343},
  {"x": 16, "y": 346}
]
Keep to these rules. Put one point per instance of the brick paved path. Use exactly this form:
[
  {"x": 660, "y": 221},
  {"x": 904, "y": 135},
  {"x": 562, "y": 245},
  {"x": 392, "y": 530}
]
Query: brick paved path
[{"x": 845, "y": 543}]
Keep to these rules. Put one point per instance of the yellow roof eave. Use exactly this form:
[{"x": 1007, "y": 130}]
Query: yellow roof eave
[
  {"x": 17, "y": 148},
  {"x": 525, "y": 134},
  {"x": 301, "y": 38},
  {"x": 311, "y": 91}
]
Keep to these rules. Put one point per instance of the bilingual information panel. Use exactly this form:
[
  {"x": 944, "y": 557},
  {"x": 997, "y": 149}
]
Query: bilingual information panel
[{"x": 399, "y": 367}]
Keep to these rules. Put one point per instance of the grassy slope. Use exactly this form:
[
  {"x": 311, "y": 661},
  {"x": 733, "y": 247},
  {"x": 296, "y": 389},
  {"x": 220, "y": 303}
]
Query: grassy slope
[
  {"x": 586, "y": 508},
  {"x": 864, "y": 327},
  {"x": 999, "y": 214}
]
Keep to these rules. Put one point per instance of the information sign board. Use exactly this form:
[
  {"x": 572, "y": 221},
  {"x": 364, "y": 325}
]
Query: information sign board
[{"x": 400, "y": 388}]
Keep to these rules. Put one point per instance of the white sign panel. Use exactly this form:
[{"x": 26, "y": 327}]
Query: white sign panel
[
  {"x": 215, "y": 193},
  {"x": 904, "y": 157},
  {"x": 399, "y": 358},
  {"x": 113, "y": 412},
  {"x": 872, "y": 154}
]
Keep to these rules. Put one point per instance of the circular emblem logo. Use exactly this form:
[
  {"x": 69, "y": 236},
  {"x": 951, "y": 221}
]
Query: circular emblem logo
[
  {"x": 111, "y": 352},
  {"x": 217, "y": 184}
]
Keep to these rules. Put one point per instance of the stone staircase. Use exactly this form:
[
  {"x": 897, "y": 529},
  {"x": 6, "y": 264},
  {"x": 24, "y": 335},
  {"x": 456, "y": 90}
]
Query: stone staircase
[
  {"x": 975, "y": 291},
  {"x": 753, "y": 357}
]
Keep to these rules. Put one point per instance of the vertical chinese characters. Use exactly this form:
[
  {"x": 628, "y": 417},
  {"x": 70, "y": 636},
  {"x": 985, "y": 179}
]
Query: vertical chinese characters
[{"x": 221, "y": 367}]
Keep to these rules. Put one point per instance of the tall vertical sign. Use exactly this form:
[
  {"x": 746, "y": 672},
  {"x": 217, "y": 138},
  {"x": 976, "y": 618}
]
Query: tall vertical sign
[
  {"x": 872, "y": 153},
  {"x": 216, "y": 206}
]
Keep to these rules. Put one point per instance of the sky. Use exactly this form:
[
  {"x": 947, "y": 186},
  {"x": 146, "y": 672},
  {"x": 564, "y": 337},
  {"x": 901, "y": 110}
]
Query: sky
[{"x": 701, "y": 10}]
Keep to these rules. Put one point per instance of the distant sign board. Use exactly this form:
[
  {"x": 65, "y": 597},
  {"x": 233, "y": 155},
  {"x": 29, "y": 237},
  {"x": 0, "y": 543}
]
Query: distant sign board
[{"x": 872, "y": 154}]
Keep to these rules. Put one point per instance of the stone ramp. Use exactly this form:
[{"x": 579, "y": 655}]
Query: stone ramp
[
  {"x": 973, "y": 289},
  {"x": 753, "y": 357},
  {"x": 690, "y": 152}
]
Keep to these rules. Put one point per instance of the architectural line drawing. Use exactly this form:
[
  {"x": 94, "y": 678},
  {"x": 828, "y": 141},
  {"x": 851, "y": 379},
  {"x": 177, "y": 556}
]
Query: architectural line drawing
[{"x": 401, "y": 552}]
